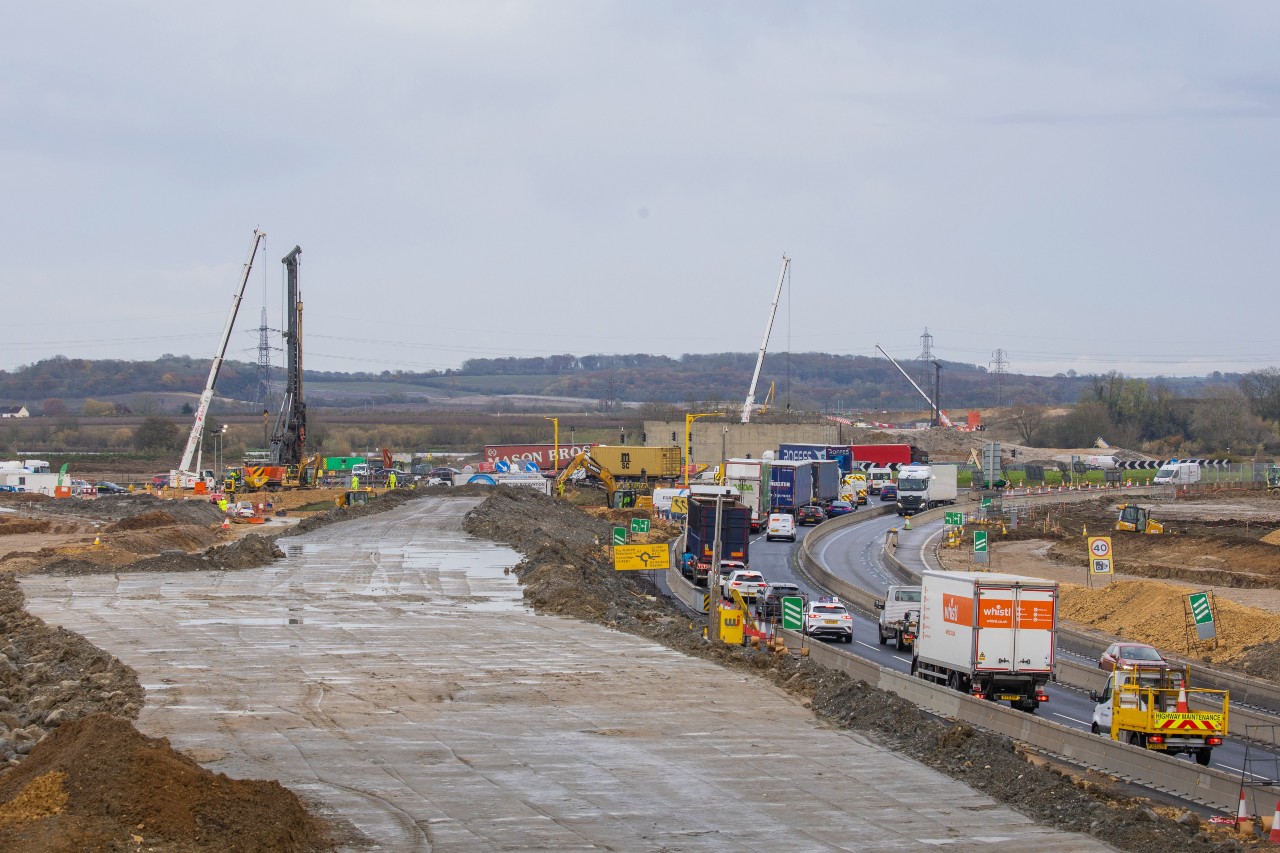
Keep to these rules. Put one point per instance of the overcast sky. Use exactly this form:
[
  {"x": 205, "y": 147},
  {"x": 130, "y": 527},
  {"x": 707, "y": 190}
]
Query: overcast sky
[{"x": 1083, "y": 185}]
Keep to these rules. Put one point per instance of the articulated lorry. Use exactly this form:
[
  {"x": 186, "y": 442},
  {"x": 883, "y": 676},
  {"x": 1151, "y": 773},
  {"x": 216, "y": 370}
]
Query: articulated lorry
[
  {"x": 924, "y": 487},
  {"x": 790, "y": 486},
  {"x": 750, "y": 479},
  {"x": 825, "y": 474},
  {"x": 735, "y": 533},
  {"x": 1147, "y": 706},
  {"x": 989, "y": 635}
]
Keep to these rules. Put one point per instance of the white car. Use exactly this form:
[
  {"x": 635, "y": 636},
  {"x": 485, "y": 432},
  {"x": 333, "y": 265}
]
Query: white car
[
  {"x": 781, "y": 526},
  {"x": 748, "y": 583},
  {"x": 827, "y": 617}
]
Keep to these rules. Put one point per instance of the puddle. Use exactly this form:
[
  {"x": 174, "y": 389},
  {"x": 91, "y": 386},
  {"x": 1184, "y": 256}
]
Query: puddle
[{"x": 257, "y": 621}]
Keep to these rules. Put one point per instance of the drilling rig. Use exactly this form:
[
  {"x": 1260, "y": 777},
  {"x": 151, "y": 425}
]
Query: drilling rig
[{"x": 289, "y": 438}]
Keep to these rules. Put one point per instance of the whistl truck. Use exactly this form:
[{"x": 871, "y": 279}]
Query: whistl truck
[
  {"x": 1147, "y": 706},
  {"x": 989, "y": 635}
]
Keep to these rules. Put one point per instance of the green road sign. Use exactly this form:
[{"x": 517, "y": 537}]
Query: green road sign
[
  {"x": 954, "y": 519},
  {"x": 639, "y": 525},
  {"x": 619, "y": 536},
  {"x": 986, "y": 503},
  {"x": 979, "y": 541},
  {"x": 792, "y": 608},
  {"x": 1200, "y": 609}
]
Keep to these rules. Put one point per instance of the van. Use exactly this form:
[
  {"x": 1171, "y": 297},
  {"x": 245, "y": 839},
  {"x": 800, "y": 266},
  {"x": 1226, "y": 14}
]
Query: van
[
  {"x": 360, "y": 469},
  {"x": 781, "y": 526},
  {"x": 1175, "y": 473}
]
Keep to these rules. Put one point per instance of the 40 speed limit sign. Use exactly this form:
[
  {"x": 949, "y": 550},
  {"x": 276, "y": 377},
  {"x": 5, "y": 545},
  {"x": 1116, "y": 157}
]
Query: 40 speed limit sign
[{"x": 1100, "y": 555}]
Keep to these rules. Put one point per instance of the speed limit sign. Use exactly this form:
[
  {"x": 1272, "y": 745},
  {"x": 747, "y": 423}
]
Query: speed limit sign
[{"x": 1100, "y": 547}]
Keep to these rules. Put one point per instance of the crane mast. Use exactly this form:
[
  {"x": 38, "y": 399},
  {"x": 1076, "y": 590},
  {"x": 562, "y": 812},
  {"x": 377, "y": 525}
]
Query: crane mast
[
  {"x": 185, "y": 476},
  {"x": 764, "y": 344},
  {"x": 942, "y": 418},
  {"x": 289, "y": 440}
]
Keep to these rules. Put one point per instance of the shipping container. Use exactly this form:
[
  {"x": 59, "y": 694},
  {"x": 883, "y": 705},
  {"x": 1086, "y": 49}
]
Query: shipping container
[
  {"x": 628, "y": 462},
  {"x": 342, "y": 464},
  {"x": 545, "y": 455},
  {"x": 790, "y": 486},
  {"x": 988, "y": 634},
  {"x": 735, "y": 532},
  {"x": 826, "y": 480}
]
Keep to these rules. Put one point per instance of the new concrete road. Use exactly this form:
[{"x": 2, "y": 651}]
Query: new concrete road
[{"x": 387, "y": 671}]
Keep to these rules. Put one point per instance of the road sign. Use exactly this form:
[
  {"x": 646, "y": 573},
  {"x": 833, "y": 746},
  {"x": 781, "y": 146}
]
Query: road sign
[
  {"x": 792, "y": 613},
  {"x": 954, "y": 519},
  {"x": 1100, "y": 566},
  {"x": 979, "y": 541},
  {"x": 680, "y": 506},
  {"x": 1100, "y": 547},
  {"x": 1202, "y": 613},
  {"x": 619, "y": 536},
  {"x": 502, "y": 466},
  {"x": 986, "y": 503},
  {"x": 639, "y": 525},
  {"x": 639, "y": 557},
  {"x": 531, "y": 467}
]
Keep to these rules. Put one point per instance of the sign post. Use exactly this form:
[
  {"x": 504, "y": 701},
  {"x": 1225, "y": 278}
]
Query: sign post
[
  {"x": 619, "y": 536},
  {"x": 1100, "y": 561},
  {"x": 1202, "y": 616},
  {"x": 980, "y": 553},
  {"x": 793, "y": 613},
  {"x": 639, "y": 525}
]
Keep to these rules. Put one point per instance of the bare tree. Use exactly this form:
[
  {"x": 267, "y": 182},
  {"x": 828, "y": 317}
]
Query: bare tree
[
  {"x": 1224, "y": 418},
  {"x": 1027, "y": 420}
]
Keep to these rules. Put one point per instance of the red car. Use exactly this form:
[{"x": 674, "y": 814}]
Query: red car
[{"x": 1129, "y": 656}]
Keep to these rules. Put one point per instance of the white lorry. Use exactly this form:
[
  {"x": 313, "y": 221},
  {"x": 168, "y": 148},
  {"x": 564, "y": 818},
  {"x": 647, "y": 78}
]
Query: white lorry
[
  {"x": 899, "y": 616},
  {"x": 750, "y": 479},
  {"x": 989, "y": 635},
  {"x": 1175, "y": 473},
  {"x": 923, "y": 487}
]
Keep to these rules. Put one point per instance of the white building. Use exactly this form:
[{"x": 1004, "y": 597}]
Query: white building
[{"x": 14, "y": 412}]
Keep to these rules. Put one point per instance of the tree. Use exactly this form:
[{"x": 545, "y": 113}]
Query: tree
[
  {"x": 156, "y": 433},
  {"x": 1262, "y": 389},
  {"x": 98, "y": 408},
  {"x": 55, "y": 407},
  {"x": 1224, "y": 419},
  {"x": 1027, "y": 420}
]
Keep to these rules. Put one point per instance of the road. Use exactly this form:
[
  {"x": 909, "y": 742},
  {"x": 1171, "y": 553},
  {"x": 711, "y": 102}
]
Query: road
[{"x": 387, "y": 671}]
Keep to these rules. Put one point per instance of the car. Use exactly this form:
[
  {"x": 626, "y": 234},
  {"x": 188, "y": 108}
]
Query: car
[
  {"x": 838, "y": 508},
  {"x": 828, "y": 618},
  {"x": 106, "y": 487},
  {"x": 781, "y": 526},
  {"x": 245, "y": 509},
  {"x": 1130, "y": 656},
  {"x": 812, "y": 514},
  {"x": 160, "y": 481},
  {"x": 770, "y": 601},
  {"x": 889, "y": 492},
  {"x": 748, "y": 583}
]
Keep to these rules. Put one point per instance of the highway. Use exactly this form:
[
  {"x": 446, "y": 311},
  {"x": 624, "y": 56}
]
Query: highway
[{"x": 854, "y": 554}]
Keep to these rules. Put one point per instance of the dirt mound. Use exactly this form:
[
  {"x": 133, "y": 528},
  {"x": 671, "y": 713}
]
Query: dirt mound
[
  {"x": 114, "y": 508},
  {"x": 99, "y": 784},
  {"x": 49, "y": 676},
  {"x": 248, "y": 552},
  {"x": 14, "y": 526},
  {"x": 567, "y": 571},
  {"x": 155, "y": 518}
]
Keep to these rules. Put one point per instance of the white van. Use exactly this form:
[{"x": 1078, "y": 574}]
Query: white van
[
  {"x": 877, "y": 476},
  {"x": 781, "y": 526},
  {"x": 1174, "y": 473}
]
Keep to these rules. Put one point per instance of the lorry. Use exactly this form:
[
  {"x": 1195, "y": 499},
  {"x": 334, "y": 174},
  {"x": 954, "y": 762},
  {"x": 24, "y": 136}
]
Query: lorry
[
  {"x": 853, "y": 488},
  {"x": 838, "y": 453},
  {"x": 899, "y": 615},
  {"x": 1175, "y": 473},
  {"x": 790, "y": 486},
  {"x": 1147, "y": 706},
  {"x": 826, "y": 480},
  {"x": 735, "y": 533},
  {"x": 886, "y": 455},
  {"x": 750, "y": 478},
  {"x": 987, "y": 634},
  {"x": 923, "y": 487}
]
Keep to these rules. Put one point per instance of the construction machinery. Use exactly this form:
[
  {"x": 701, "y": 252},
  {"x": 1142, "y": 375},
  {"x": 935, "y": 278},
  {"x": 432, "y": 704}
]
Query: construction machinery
[
  {"x": 943, "y": 420},
  {"x": 354, "y": 497},
  {"x": 1137, "y": 519},
  {"x": 764, "y": 344},
  {"x": 618, "y": 498},
  {"x": 1148, "y": 706},
  {"x": 186, "y": 476},
  {"x": 1273, "y": 479},
  {"x": 289, "y": 438}
]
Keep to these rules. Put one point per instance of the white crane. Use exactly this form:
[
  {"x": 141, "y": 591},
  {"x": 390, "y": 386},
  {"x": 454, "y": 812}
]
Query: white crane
[
  {"x": 942, "y": 416},
  {"x": 764, "y": 344},
  {"x": 185, "y": 476}
]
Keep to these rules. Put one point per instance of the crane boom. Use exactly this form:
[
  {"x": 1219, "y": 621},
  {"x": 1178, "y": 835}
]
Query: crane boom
[
  {"x": 942, "y": 417},
  {"x": 202, "y": 409},
  {"x": 764, "y": 344}
]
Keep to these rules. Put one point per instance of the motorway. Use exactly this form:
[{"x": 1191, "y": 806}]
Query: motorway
[{"x": 855, "y": 554}]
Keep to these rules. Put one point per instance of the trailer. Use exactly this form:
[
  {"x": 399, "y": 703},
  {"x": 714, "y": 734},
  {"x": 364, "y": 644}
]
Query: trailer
[
  {"x": 735, "y": 533},
  {"x": 750, "y": 479},
  {"x": 790, "y": 486}
]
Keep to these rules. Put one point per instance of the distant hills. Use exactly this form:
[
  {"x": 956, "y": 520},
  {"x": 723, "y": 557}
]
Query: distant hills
[{"x": 810, "y": 381}]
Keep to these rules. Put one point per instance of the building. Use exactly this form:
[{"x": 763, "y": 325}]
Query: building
[{"x": 14, "y": 412}]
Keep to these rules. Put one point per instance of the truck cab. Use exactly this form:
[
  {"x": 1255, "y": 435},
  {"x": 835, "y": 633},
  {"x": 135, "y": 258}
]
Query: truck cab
[
  {"x": 1147, "y": 707},
  {"x": 897, "y": 603}
]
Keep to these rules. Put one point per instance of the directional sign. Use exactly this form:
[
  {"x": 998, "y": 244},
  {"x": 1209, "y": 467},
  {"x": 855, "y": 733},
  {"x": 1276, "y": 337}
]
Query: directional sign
[
  {"x": 639, "y": 525},
  {"x": 619, "y": 536},
  {"x": 531, "y": 467},
  {"x": 633, "y": 557},
  {"x": 1202, "y": 613},
  {"x": 792, "y": 610},
  {"x": 502, "y": 466},
  {"x": 979, "y": 541},
  {"x": 1100, "y": 547},
  {"x": 986, "y": 503},
  {"x": 680, "y": 506},
  {"x": 954, "y": 519}
]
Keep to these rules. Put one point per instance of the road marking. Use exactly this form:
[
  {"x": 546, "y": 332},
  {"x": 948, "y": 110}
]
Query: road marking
[
  {"x": 868, "y": 645},
  {"x": 1072, "y": 719}
]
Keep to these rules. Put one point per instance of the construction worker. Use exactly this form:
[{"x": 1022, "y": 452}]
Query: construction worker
[
  {"x": 391, "y": 480},
  {"x": 355, "y": 482}
]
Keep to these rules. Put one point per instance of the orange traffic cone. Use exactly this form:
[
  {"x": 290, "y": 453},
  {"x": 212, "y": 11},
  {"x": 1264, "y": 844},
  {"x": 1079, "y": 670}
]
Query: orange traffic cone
[
  {"x": 1274, "y": 837},
  {"x": 226, "y": 525},
  {"x": 1182, "y": 700},
  {"x": 97, "y": 541},
  {"x": 1243, "y": 812}
]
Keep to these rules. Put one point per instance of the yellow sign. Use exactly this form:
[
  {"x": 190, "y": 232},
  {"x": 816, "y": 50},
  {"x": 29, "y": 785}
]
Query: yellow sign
[
  {"x": 1100, "y": 556},
  {"x": 731, "y": 626},
  {"x": 680, "y": 506},
  {"x": 633, "y": 557}
]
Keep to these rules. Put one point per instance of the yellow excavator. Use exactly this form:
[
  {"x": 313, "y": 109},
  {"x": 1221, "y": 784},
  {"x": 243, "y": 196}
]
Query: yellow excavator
[
  {"x": 618, "y": 498},
  {"x": 1137, "y": 519}
]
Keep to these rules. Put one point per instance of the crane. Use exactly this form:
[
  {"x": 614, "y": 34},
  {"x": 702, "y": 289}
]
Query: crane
[
  {"x": 289, "y": 439},
  {"x": 185, "y": 476},
  {"x": 764, "y": 344},
  {"x": 942, "y": 416}
]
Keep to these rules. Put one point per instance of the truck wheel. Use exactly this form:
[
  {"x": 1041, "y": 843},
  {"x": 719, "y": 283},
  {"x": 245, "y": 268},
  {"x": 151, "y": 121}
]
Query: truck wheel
[
  {"x": 1202, "y": 757},
  {"x": 915, "y": 667},
  {"x": 953, "y": 681},
  {"x": 884, "y": 641},
  {"x": 1138, "y": 740},
  {"x": 1093, "y": 727}
]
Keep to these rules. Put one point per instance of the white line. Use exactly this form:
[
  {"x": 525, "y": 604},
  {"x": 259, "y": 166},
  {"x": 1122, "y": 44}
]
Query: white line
[
  {"x": 868, "y": 645},
  {"x": 1072, "y": 719}
]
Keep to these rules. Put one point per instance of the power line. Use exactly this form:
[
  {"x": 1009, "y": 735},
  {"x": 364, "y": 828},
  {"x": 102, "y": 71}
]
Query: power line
[{"x": 1001, "y": 362}]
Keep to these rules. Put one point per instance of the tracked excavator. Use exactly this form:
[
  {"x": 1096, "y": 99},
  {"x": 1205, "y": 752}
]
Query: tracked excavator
[{"x": 618, "y": 498}]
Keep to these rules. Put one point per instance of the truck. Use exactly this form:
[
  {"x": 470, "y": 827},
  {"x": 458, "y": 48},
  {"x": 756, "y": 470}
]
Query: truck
[
  {"x": 790, "y": 486},
  {"x": 838, "y": 453},
  {"x": 923, "y": 487},
  {"x": 750, "y": 477},
  {"x": 1147, "y": 706},
  {"x": 735, "y": 534},
  {"x": 826, "y": 480},
  {"x": 1175, "y": 473},
  {"x": 989, "y": 635},
  {"x": 899, "y": 615},
  {"x": 886, "y": 455}
]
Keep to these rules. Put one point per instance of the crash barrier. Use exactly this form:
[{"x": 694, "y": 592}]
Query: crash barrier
[
  {"x": 809, "y": 563},
  {"x": 681, "y": 587},
  {"x": 1182, "y": 778}
]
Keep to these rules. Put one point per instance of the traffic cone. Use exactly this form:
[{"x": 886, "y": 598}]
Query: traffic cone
[
  {"x": 226, "y": 525},
  {"x": 1084, "y": 530},
  {"x": 1243, "y": 813},
  {"x": 906, "y": 524},
  {"x": 1274, "y": 837},
  {"x": 1182, "y": 700},
  {"x": 96, "y": 541}
]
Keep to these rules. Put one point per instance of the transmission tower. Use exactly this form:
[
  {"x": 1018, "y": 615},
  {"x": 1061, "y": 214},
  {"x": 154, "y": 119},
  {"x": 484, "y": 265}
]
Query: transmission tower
[
  {"x": 264, "y": 359},
  {"x": 924, "y": 371},
  {"x": 1000, "y": 361}
]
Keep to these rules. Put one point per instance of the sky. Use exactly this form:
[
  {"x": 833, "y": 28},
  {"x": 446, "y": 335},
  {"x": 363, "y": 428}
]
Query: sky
[{"x": 1087, "y": 186}]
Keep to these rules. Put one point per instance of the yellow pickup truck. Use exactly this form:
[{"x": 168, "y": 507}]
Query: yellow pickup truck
[{"x": 1150, "y": 707}]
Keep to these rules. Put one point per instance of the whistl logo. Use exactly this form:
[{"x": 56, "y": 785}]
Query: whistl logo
[
  {"x": 995, "y": 613},
  {"x": 957, "y": 609}
]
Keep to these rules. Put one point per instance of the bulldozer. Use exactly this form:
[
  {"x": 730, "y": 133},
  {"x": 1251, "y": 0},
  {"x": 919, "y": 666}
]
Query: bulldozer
[{"x": 1137, "y": 519}]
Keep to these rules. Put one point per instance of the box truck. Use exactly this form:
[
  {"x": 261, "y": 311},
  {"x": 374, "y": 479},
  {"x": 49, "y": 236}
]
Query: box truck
[
  {"x": 750, "y": 477},
  {"x": 826, "y": 480},
  {"x": 989, "y": 635},
  {"x": 924, "y": 487}
]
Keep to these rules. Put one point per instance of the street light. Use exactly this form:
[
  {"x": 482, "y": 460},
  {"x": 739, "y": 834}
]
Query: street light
[
  {"x": 555, "y": 459},
  {"x": 688, "y": 434}
]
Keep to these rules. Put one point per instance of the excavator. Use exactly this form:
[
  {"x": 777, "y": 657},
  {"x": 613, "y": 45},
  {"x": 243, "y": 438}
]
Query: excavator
[
  {"x": 1137, "y": 519},
  {"x": 618, "y": 498}
]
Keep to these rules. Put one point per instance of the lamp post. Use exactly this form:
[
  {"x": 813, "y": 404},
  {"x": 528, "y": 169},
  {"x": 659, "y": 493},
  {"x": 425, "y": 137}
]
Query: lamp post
[
  {"x": 555, "y": 459},
  {"x": 688, "y": 434}
]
